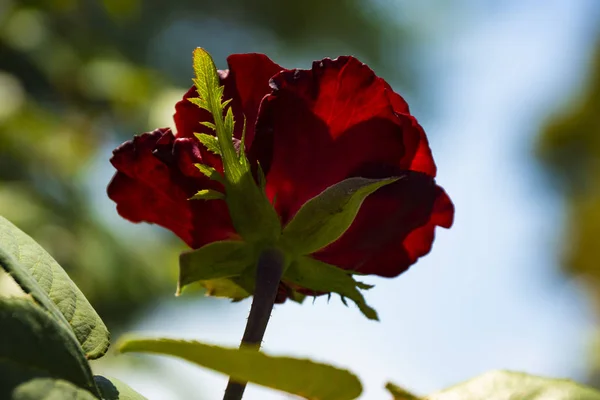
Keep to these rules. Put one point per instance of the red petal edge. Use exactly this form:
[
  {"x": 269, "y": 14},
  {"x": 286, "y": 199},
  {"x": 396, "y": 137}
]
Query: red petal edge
[
  {"x": 394, "y": 227},
  {"x": 154, "y": 180}
]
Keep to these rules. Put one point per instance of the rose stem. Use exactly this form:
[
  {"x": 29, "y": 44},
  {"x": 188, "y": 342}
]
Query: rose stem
[{"x": 268, "y": 275}]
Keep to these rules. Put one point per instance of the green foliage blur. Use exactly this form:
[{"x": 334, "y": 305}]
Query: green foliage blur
[
  {"x": 78, "y": 77},
  {"x": 569, "y": 147}
]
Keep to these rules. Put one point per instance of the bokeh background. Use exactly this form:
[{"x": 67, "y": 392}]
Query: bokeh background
[{"x": 509, "y": 93}]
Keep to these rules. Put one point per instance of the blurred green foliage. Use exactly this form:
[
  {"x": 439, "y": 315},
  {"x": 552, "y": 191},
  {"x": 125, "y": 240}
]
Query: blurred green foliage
[
  {"x": 77, "y": 77},
  {"x": 569, "y": 147}
]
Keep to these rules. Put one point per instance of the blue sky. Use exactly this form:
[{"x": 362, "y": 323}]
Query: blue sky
[{"x": 490, "y": 294}]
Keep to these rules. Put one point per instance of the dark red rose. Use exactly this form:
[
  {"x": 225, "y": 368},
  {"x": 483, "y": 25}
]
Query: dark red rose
[{"x": 308, "y": 129}]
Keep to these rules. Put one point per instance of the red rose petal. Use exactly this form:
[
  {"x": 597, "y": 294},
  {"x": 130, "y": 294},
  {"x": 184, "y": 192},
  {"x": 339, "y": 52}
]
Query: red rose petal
[
  {"x": 154, "y": 181},
  {"x": 319, "y": 125},
  {"x": 188, "y": 116},
  {"x": 315, "y": 128},
  {"x": 247, "y": 83}
]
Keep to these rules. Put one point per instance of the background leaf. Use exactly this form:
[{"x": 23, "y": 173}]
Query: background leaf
[
  {"x": 398, "y": 393},
  {"x": 114, "y": 389},
  {"x": 325, "y": 217},
  {"x": 300, "y": 377},
  {"x": 34, "y": 344},
  {"x": 50, "y": 389},
  {"x": 87, "y": 325},
  {"x": 502, "y": 385}
]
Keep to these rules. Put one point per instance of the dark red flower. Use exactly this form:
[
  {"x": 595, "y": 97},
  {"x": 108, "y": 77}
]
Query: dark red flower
[{"x": 308, "y": 129}]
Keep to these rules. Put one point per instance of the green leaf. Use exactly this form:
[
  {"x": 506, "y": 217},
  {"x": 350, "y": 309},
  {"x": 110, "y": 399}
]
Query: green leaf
[
  {"x": 114, "y": 389},
  {"x": 208, "y": 194},
  {"x": 321, "y": 277},
  {"x": 216, "y": 260},
  {"x": 50, "y": 389},
  {"x": 399, "y": 393},
  {"x": 502, "y": 385},
  {"x": 31, "y": 339},
  {"x": 211, "y": 173},
  {"x": 303, "y": 378},
  {"x": 324, "y": 218},
  {"x": 40, "y": 275},
  {"x": 209, "y": 141}
]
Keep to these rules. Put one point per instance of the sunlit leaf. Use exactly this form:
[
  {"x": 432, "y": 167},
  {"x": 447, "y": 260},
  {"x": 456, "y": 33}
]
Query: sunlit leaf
[
  {"x": 502, "y": 385},
  {"x": 324, "y": 218},
  {"x": 316, "y": 275},
  {"x": 51, "y": 282},
  {"x": 304, "y": 378}
]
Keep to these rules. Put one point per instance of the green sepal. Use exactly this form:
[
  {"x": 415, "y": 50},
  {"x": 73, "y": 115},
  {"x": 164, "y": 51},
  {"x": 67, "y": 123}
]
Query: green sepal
[
  {"x": 211, "y": 173},
  {"x": 242, "y": 150},
  {"x": 251, "y": 212},
  {"x": 296, "y": 296},
  {"x": 208, "y": 194},
  {"x": 324, "y": 218},
  {"x": 209, "y": 141},
  {"x": 199, "y": 102},
  {"x": 300, "y": 377},
  {"x": 262, "y": 180},
  {"x": 217, "y": 260},
  {"x": 225, "y": 287},
  {"x": 209, "y": 125},
  {"x": 321, "y": 277},
  {"x": 229, "y": 122},
  {"x": 210, "y": 93}
]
